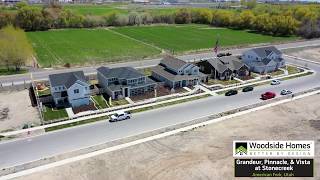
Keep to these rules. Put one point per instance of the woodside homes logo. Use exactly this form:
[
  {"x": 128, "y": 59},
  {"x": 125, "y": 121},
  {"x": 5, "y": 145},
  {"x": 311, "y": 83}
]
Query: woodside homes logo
[{"x": 242, "y": 149}]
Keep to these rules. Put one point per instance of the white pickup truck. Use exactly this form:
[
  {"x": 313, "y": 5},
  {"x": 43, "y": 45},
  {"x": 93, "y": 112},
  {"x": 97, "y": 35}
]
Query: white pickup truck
[{"x": 119, "y": 116}]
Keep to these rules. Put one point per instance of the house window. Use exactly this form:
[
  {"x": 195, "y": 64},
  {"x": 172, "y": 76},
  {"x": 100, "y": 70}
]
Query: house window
[
  {"x": 76, "y": 91},
  {"x": 56, "y": 89}
]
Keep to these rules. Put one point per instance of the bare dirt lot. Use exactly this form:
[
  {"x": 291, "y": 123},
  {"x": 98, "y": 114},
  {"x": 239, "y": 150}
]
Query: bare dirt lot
[
  {"x": 204, "y": 153},
  {"x": 306, "y": 53},
  {"x": 16, "y": 110}
]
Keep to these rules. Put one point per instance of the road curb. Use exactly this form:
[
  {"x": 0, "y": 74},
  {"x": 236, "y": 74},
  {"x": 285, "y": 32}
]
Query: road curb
[{"x": 46, "y": 163}]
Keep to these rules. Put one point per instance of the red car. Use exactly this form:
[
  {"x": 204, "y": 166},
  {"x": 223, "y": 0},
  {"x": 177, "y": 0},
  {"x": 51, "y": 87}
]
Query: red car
[{"x": 268, "y": 95}]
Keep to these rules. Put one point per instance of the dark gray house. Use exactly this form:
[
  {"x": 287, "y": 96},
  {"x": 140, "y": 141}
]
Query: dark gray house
[
  {"x": 177, "y": 73},
  {"x": 124, "y": 82},
  {"x": 70, "y": 88},
  {"x": 223, "y": 68},
  {"x": 263, "y": 59}
]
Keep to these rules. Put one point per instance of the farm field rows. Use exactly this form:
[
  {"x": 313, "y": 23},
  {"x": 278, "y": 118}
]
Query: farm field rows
[
  {"x": 90, "y": 46},
  {"x": 85, "y": 46},
  {"x": 182, "y": 38}
]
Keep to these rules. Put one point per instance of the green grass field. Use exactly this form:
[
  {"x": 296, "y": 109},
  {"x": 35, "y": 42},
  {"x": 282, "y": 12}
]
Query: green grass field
[
  {"x": 89, "y": 46},
  {"x": 97, "y": 10},
  {"x": 182, "y": 38},
  {"x": 85, "y": 47}
]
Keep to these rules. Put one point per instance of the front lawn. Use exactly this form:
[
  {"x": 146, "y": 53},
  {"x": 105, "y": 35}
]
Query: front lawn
[
  {"x": 223, "y": 82},
  {"x": 293, "y": 69},
  {"x": 118, "y": 102},
  {"x": 100, "y": 102},
  {"x": 276, "y": 73},
  {"x": 170, "y": 103},
  {"x": 53, "y": 113}
]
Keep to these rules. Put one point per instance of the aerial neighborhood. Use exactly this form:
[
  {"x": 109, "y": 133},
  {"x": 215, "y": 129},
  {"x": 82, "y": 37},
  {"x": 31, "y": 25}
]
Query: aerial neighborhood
[
  {"x": 72, "y": 89},
  {"x": 148, "y": 89}
]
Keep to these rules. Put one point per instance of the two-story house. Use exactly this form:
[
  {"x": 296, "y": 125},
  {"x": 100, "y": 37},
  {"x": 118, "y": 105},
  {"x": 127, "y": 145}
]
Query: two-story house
[
  {"x": 124, "y": 82},
  {"x": 223, "y": 68},
  {"x": 69, "y": 89},
  {"x": 177, "y": 73},
  {"x": 264, "y": 59}
]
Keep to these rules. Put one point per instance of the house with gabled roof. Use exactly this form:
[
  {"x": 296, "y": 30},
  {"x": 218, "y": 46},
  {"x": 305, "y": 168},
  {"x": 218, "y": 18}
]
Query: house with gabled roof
[
  {"x": 223, "y": 68},
  {"x": 175, "y": 72},
  {"x": 70, "y": 89},
  {"x": 124, "y": 82},
  {"x": 264, "y": 59}
]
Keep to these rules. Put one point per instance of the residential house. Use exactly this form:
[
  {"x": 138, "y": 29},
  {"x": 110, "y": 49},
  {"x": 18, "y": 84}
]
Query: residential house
[
  {"x": 223, "y": 68},
  {"x": 70, "y": 89},
  {"x": 124, "y": 82},
  {"x": 264, "y": 59},
  {"x": 177, "y": 73}
]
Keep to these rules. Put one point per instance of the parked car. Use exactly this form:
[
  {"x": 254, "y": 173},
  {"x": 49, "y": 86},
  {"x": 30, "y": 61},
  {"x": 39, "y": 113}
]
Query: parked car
[
  {"x": 119, "y": 116},
  {"x": 275, "y": 82},
  {"x": 224, "y": 54},
  {"x": 285, "y": 92},
  {"x": 231, "y": 92},
  {"x": 247, "y": 89},
  {"x": 268, "y": 95}
]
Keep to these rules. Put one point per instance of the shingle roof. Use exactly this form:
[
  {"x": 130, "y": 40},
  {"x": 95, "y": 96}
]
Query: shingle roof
[
  {"x": 172, "y": 62},
  {"x": 172, "y": 77},
  {"x": 120, "y": 72},
  {"x": 66, "y": 79},
  {"x": 265, "y": 51},
  {"x": 227, "y": 62}
]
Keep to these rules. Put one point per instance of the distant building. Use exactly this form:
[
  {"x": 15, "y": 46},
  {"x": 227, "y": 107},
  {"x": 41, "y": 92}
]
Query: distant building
[
  {"x": 141, "y": 1},
  {"x": 177, "y": 73},
  {"x": 124, "y": 82},
  {"x": 223, "y": 68},
  {"x": 264, "y": 59},
  {"x": 69, "y": 89}
]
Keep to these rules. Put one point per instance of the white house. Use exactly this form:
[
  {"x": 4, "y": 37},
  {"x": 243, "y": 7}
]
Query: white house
[
  {"x": 70, "y": 89},
  {"x": 264, "y": 59}
]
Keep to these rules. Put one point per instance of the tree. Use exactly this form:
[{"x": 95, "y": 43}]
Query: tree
[
  {"x": 15, "y": 49},
  {"x": 29, "y": 18},
  {"x": 247, "y": 19},
  {"x": 251, "y": 4},
  {"x": 183, "y": 16}
]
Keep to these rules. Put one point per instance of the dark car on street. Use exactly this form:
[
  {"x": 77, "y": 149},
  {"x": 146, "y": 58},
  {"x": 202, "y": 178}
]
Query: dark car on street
[
  {"x": 224, "y": 54},
  {"x": 268, "y": 95},
  {"x": 231, "y": 92},
  {"x": 247, "y": 89}
]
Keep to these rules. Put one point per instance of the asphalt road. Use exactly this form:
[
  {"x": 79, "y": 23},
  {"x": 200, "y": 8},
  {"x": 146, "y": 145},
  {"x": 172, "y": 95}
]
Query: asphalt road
[
  {"x": 43, "y": 74},
  {"x": 66, "y": 140}
]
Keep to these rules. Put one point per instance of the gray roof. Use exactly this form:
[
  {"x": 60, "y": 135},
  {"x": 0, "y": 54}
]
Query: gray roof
[
  {"x": 120, "y": 72},
  {"x": 172, "y": 62},
  {"x": 265, "y": 51},
  {"x": 160, "y": 70},
  {"x": 66, "y": 79},
  {"x": 226, "y": 62}
]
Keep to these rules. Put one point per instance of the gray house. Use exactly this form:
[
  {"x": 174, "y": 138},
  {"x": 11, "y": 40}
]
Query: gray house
[
  {"x": 223, "y": 68},
  {"x": 264, "y": 59},
  {"x": 177, "y": 73},
  {"x": 70, "y": 89},
  {"x": 124, "y": 82}
]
